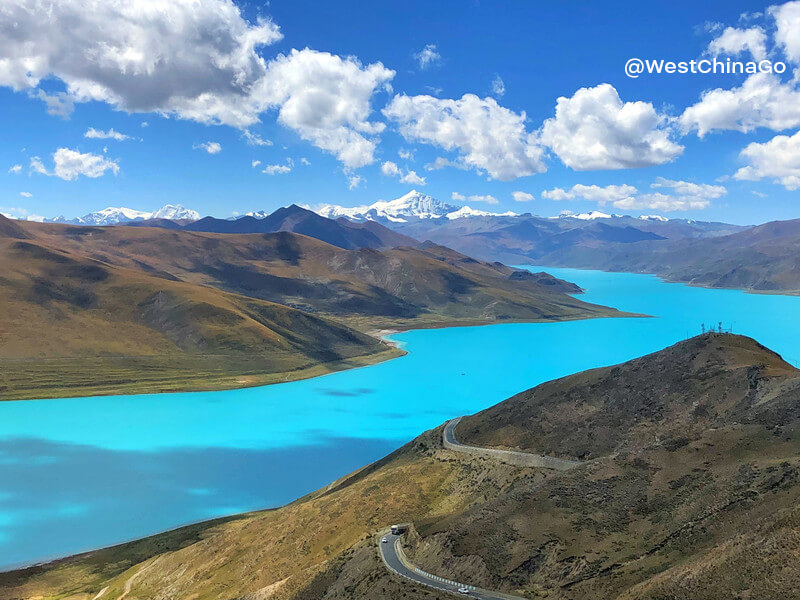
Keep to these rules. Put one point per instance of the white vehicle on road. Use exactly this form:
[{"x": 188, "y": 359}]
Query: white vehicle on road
[
  {"x": 463, "y": 590},
  {"x": 384, "y": 540}
]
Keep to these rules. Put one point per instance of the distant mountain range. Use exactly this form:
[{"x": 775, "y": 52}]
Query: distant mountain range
[
  {"x": 717, "y": 254},
  {"x": 122, "y": 215},
  {"x": 411, "y": 207},
  {"x": 340, "y": 232}
]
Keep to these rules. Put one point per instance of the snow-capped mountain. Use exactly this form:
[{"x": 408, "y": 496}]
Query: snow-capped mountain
[
  {"x": 115, "y": 216},
  {"x": 410, "y": 207},
  {"x": 175, "y": 212}
]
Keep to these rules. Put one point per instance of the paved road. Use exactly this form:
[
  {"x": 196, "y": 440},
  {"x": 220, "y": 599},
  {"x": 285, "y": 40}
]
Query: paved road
[
  {"x": 521, "y": 459},
  {"x": 389, "y": 553}
]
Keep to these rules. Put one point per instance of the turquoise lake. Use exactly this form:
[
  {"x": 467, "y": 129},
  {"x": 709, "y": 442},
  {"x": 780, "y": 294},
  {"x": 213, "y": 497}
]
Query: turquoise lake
[{"x": 77, "y": 474}]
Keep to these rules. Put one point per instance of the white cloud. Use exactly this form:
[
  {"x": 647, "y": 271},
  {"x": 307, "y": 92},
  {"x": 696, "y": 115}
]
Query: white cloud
[
  {"x": 412, "y": 178},
  {"x": 662, "y": 202},
  {"x": 16, "y": 169},
  {"x": 253, "y": 139},
  {"x": 777, "y": 159},
  {"x": 489, "y": 199},
  {"x": 326, "y": 99},
  {"x": 689, "y": 189},
  {"x": 441, "y": 162},
  {"x": 390, "y": 169},
  {"x": 684, "y": 195},
  {"x": 405, "y": 154},
  {"x": 99, "y": 134},
  {"x": 594, "y": 129},
  {"x": 522, "y": 196},
  {"x": 193, "y": 59},
  {"x": 276, "y": 169},
  {"x": 305, "y": 161},
  {"x": 210, "y": 147},
  {"x": 498, "y": 87},
  {"x": 595, "y": 193},
  {"x": 255, "y": 163},
  {"x": 761, "y": 101},
  {"x": 196, "y": 59},
  {"x": 353, "y": 181},
  {"x": 26, "y": 194},
  {"x": 787, "y": 23},
  {"x": 734, "y": 41},
  {"x": 428, "y": 56},
  {"x": 489, "y": 137},
  {"x": 70, "y": 164},
  {"x": 59, "y": 104}
]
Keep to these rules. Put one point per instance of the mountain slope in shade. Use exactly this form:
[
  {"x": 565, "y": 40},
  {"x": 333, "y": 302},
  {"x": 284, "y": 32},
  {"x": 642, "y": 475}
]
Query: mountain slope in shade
[
  {"x": 341, "y": 233},
  {"x": 405, "y": 286},
  {"x": 111, "y": 329},
  {"x": 691, "y": 492}
]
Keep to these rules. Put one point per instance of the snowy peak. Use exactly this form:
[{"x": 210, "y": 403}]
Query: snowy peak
[
  {"x": 118, "y": 215},
  {"x": 175, "y": 212},
  {"x": 412, "y": 206}
]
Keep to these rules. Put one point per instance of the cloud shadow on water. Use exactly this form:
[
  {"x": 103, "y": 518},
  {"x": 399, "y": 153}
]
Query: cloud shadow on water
[{"x": 58, "y": 499}]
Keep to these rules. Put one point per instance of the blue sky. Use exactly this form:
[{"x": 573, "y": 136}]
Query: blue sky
[{"x": 351, "y": 93}]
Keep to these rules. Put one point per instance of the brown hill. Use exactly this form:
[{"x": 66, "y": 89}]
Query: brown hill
[
  {"x": 399, "y": 287},
  {"x": 73, "y": 325},
  {"x": 690, "y": 494}
]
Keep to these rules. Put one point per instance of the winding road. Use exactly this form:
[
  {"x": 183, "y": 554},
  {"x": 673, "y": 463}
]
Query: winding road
[
  {"x": 393, "y": 557},
  {"x": 392, "y": 552},
  {"x": 520, "y": 459}
]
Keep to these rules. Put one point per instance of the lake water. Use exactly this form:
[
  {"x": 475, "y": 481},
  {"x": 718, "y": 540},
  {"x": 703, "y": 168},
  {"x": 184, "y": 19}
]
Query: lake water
[{"x": 77, "y": 474}]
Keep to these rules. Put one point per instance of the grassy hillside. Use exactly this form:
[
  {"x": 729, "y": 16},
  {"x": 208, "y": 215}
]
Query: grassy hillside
[
  {"x": 690, "y": 492},
  {"x": 73, "y": 325},
  {"x": 401, "y": 287},
  {"x": 108, "y": 310}
]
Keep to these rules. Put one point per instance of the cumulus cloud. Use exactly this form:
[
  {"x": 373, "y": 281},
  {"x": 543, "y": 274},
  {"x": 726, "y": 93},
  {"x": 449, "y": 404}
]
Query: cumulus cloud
[
  {"x": 111, "y": 134},
  {"x": 441, "y": 163},
  {"x": 192, "y": 59},
  {"x": 195, "y": 59},
  {"x": 326, "y": 99},
  {"x": 595, "y": 193},
  {"x": 305, "y": 161},
  {"x": 70, "y": 164},
  {"x": 405, "y": 154},
  {"x": 594, "y": 129},
  {"x": 488, "y": 198},
  {"x": 277, "y": 169},
  {"x": 778, "y": 159},
  {"x": 787, "y": 23},
  {"x": 498, "y": 87},
  {"x": 16, "y": 169},
  {"x": 522, "y": 196},
  {"x": 255, "y": 163},
  {"x": 688, "y": 189},
  {"x": 353, "y": 181},
  {"x": 734, "y": 41},
  {"x": 428, "y": 56},
  {"x": 761, "y": 101},
  {"x": 488, "y": 137},
  {"x": 682, "y": 195},
  {"x": 26, "y": 194},
  {"x": 210, "y": 147},
  {"x": 390, "y": 169}
]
